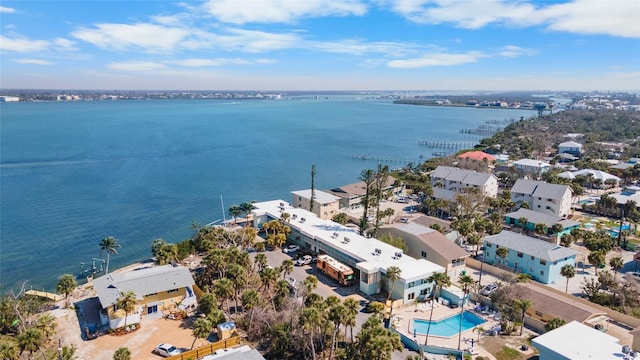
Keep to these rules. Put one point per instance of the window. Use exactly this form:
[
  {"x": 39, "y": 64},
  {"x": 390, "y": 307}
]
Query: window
[
  {"x": 538, "y": 206},
  {"x": 488, "y": 245},
  {"x": 424, "y": 254},
  {"x": 172, "y": 290},
  {"x": 151, "y": 294},
  {"x": 543, "y": 262},
  {"x": 411, "y": 296},
  {"x": 426, "y": 291},
  {"x": 532, "y": 258},
  {"x": 519, "y": 254},
  {"x": 488, "y": 254},
  {"x": 542, "y": 272},
  {"x": 555, "y": 263}
]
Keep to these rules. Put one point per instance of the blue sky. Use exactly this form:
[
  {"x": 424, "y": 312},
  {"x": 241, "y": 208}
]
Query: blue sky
[{"x": 321, "y": 45}]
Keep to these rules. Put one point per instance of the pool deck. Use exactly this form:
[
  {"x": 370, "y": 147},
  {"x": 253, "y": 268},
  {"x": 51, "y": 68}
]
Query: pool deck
[{"x": 405, "y": 314}]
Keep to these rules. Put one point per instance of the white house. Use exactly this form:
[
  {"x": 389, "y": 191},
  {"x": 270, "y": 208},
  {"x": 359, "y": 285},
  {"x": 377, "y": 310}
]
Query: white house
[
  {"x": 531, "y": 166},
  {"x": 570, "y": 147},
  {"x": 543, "y": 197},
  {"x": 456, "y": 180},
  {"x": 576, "y": 341},
  {"x": 595, "y": 175}
]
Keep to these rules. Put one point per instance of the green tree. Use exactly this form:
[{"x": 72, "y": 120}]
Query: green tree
[
  {"x": 167, "y": 254},
  {"x": 616, "y": 264},
  {"x": 235, "y": 211},
  {"x": 286, "y": 267},
  {"x": 311, "y": 319},
  {"x": 523, "y": 223},
  {"x": 502, "y": 253},
  {"x": 207, "y": 303},
  {"x": 466, "y": 282},
  {"x": 109, "y": 245},
  {"x": 30, "y": 340},
  {"x": 201, "y": 330},
  {"x": 268, "y": 277},
  {"x": 393, "y": 274},
  {"x": 223, "y": 289},
  {"x": 375, "y": 342},
  {"x": 66, "y": 284},
  {"x": 439, "y": 280},
  {"x": 554, "y": 324},
  {"x": 47, "y": 324},
  {"x": 122, "y": 353},
  {"x": 250, "y": 300},
  {"x": 568, "y": 271},
  {"x": 340, "y": 218},
  {"x": 246, "y": 208},
  {"x": 127, "y": 302},
  {"x": 368, "y": 177},
  {"x": 596, "y": 258},
  {"x": 523, "y": 305},
  {"x": 9, "y": 350},
  {"x": 540, "y": 229}
]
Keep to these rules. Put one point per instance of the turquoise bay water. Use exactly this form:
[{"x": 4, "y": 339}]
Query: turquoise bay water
[
  {"x": 72, "y": 173},
  {"x": 448, "y": 326}
]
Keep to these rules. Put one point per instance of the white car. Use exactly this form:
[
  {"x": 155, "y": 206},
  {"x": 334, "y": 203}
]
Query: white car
[
  {"x": 290, "y": 249},
  {"x": 305, "y": 260},
  {"x": 167, "y": 350},
  {"x": 293, "y": 283},
  {"x": 488, "y": 289}
]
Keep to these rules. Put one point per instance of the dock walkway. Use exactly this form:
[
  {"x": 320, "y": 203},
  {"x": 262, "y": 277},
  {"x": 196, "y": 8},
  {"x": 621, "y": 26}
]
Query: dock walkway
[{"x": 44, "y": 294}]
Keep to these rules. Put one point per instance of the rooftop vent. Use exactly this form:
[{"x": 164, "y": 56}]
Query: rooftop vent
[
  {"x": 294, "y": 216},
  {"x": 302, "y": 219},
  {"x": 281, "y": 204},
  {"x": 378, "y": 251},
  {"x": 398, "y": 255}
]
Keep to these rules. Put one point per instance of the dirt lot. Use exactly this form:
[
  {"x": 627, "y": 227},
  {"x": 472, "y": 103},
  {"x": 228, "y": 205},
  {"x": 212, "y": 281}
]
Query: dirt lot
[
  {"x": 495, "y": 345},
  {"x": 141, "y": 342}
]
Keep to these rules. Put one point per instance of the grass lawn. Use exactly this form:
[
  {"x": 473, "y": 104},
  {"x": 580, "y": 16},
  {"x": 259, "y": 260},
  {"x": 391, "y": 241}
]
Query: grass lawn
[{"x": 507, "y": 348}]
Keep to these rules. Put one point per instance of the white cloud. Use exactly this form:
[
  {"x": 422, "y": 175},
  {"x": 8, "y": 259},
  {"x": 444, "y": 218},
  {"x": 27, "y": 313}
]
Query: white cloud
[
  {"x": 358, "y": 47},
  {"x": 148, "y": 37},
  {"x": 254, "y": 41},
  {"x": 437, "y": 60},
  {"x": 33, "y": 62},
  {"x": 280, "y": 11},
  {"x": 512, "y": 51},
  {"x": 619, "y": 18},
  {"x": 22, "y": 45},
  {"x": 208, "y": 62},
  {"x": 6, "y": 10},
  {"x": 64, "y": 45},
  {"x": 135, "y": 66}
]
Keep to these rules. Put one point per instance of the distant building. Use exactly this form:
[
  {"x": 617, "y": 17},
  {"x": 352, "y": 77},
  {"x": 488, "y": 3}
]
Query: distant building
[
  {"x": 531, "y": 166},
  {"x": 540, "y": 259},
  {"x": 575, "y": 341},
  {"x": 594, "y": 174},
  {"x": 541, "y": 196},
  {"x": 570, "y": 147},
  {"x": 9, "y": 99},
  {"x": 477, "y": 156},
  {"x": 325, "y": 205},
  {"x": 351, "y": 195},
  {"x": 456, "y": 180}
]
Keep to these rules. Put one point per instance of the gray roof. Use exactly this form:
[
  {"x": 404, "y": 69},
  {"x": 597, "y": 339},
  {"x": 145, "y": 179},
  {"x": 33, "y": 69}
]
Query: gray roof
[
  {"x": 444, "y": 194},
  {"x": 432, "y": 238},
  {"x": 530, "y": 246},
  {"x": 142, "y": 282},
  {"x": 461, "y": 175},
  {"x": 536, "y": 217},
  {"x": 571, "y": 144},
  {"x": 540, "y": 189}
]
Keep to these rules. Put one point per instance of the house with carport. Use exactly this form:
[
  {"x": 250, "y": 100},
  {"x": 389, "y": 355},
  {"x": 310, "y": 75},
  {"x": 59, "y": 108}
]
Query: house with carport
[
  {"x": 540, "y": 259},
  {"x": 424, "y": 242},
  {"x": 157, "y": 289}
]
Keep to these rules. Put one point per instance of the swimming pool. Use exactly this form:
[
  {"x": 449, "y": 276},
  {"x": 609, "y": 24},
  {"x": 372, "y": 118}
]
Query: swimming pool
[{"x": 448, "y": 326}]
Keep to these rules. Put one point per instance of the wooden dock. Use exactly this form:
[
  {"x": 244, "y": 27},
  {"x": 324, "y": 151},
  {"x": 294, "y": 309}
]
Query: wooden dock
[{"x": 44, "y": 294}]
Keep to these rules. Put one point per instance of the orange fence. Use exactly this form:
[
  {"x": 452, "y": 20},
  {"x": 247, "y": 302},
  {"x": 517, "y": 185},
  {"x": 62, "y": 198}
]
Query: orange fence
[{"x": 207, "y": 350}]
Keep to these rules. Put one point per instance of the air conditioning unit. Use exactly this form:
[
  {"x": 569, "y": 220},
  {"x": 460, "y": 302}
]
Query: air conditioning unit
[
  {"x": 378, "y": 251},
  {"x": 294, "y": 216},
  {"x": 398, "y": 255},
  {"x": 281, "y": 204},
  {"x": 302, "y": 219}
]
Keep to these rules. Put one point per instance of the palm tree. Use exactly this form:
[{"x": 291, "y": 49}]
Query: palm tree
[
  {"x": 286, "y": 267},
  {"x": 223, "y": 289},
  {"x": 540, "y": 229},
  {"x": 311, "y": 319},
  {"x": 47, "y": 324},
  {"x": 201, "y": 329},
  {"x": 66, "y": 284},
  {"x": 9, "y": 350},
  {"x": 523, "y": 223},
  {"x": 246, "y": 208},
  {"x": 168, "y": 253},
  {"x": 260, "y": 261},
  {"x": 30, "y": 340},
  {"x": 127, "y": 302},
  {"x": 250, "y": 299},
  {"x": 122, "y": 353},
  {"x": 352, "y": 307},
  {"x": 207, "y": 303},
  {"x": 337, "y": 315},
  {"x": 268, "y": 277},
  {"x": 308, "y": 284},
  {"x": 466, "y": 282},
  {"x": 523, "y": 305},
  {"x": 554, "y": 324},
  {"x": 616, "y": 264},
  {"x": 596, "y": 258},
  {"x": 502, "y": 253},
  {"x": 568, "y": 271},
  {"x": 439, "y": 280},
  {"x": 109, "y": 245},
  {"x": 235, "y": 211},
  {"x": 393, "y": 274}
]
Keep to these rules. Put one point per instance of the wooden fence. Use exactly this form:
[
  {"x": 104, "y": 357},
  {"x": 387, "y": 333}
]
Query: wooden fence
[{"x": 207, "y": 350}]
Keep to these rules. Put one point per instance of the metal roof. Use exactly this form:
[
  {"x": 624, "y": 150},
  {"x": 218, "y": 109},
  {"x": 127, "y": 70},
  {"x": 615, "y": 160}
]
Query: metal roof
[
  {"x": 540, "y": 189},
  {"x": 530, "y": 246}
]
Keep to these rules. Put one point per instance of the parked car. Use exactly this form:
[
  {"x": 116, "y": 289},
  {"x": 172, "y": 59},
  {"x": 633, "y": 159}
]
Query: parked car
[
  {"x": 293, "y": 283},
  {"x": 304, "y": 260},
  {"x": 488, "y": 289},
  {"x": 167, "y": 350},
  {"x": 290, "y": 249}
]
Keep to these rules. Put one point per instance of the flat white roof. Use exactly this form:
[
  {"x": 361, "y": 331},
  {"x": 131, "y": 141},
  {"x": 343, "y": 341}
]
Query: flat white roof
[
  {"x": 593, "y": 344},
  {"x": 349, "y": 242},
  {"x": 321, "y": 196}
]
